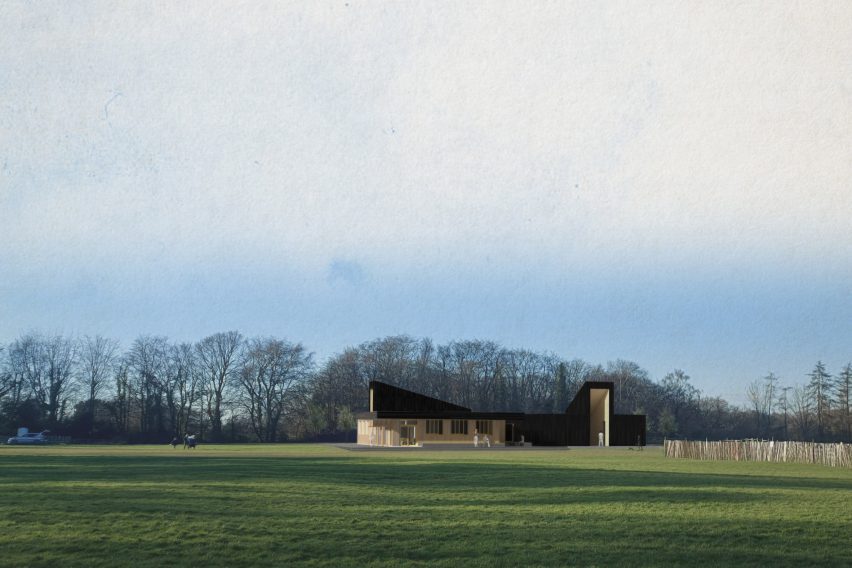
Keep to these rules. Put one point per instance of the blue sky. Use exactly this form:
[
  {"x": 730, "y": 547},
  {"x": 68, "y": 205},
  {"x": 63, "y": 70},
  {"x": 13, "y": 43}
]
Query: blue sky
[{"x": 667, "y": 183}]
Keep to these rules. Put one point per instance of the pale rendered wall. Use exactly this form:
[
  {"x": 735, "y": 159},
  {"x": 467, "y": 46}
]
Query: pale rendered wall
[
  {"x": 599, "y": 410},
  {"x": 386, "y": 432}
]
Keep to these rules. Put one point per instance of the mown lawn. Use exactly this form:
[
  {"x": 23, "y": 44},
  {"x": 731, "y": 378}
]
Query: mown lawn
[{"x": 320, "y": 505}]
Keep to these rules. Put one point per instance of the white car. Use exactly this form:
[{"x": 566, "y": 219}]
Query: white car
[{"x": 28, "y": 438}]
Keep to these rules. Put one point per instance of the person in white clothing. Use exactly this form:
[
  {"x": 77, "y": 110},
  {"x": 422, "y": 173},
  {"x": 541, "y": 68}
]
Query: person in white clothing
[
  {"x": 475, "y": 438},
  {"x": 600, "y": 439}
]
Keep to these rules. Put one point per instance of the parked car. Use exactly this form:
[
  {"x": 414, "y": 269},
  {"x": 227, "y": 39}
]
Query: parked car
[{"x": 29, "y": 438}]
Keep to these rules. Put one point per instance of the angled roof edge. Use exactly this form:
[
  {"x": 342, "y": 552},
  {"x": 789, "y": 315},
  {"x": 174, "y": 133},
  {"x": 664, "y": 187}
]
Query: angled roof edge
[{"x": 390, "y": 398}]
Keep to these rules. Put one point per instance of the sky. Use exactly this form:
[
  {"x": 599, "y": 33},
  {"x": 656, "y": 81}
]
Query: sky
[{"x": 664, "y": 182}]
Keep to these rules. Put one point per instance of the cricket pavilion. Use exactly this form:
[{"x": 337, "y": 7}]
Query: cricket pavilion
[{"x": 399, "y": 417}]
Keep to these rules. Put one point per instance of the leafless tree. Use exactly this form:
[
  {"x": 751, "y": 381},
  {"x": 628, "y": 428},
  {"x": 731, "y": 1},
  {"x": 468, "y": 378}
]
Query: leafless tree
[
  {"x": 122, "y": 403},
  {"x": 147, "y": 363},
  {"x": 680, "y": 396},
  {"x": 98, "y": 356},
  {"x": 756, "y": 394},
  {"x": 46, "y": 365},
  {"x": 784, "y": 403},
  {"x": 272, "y": 379},
  {"x": 627, "y": 377},
  {"x": 802, "y": 404},
  {"x": 185, "y": 383},
  {"x": 217, "y": 355},
  {"x": 341, "y": 383},
  {"x": 11, "y": 380}
]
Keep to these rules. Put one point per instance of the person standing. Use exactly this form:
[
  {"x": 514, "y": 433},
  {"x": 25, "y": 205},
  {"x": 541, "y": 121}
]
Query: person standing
[
  {"x": 475, "y": 437},
  {"x": 600, "y": 439}
]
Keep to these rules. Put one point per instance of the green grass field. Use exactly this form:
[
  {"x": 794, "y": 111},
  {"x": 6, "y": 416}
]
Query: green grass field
[{"x": 321, "y": 505}]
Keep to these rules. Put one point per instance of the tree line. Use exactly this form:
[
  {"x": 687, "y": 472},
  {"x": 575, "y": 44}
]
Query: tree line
[{"x": 228, "y": 387}]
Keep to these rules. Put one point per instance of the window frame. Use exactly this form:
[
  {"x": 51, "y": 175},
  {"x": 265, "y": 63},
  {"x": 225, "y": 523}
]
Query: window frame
[
  {"x": 459, "y": 427},
  {"x": 489, "y": 427},
  {"x": 435, "y": 426}
]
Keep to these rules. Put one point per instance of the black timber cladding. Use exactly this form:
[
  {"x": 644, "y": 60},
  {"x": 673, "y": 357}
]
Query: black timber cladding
[
  {"x": 388, "y": 398},
  {"x": 569, "y": 429}
]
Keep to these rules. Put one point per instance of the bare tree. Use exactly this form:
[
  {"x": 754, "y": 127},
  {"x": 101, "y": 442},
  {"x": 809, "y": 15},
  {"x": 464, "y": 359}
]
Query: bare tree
[
  {"x": 802, "y": 403},
  {"x": 217, "y": 355},
  {"x": 755, "y": 395},
  {"x": 11, "y": 380},
  {"x": 784, "y": 403},
  {"x": 628, "y": 378},
  {"x": 272, "y": 377},
  {"x": 771, "y": 391},
  {"x": 761, "y": 394},
  {"x": 97, "y": 361},
  {"x": 147, "y": 363},
  {"x": 61, "y": 356},
  {"x": 28, "y": 362},
  {"x": 123, "y": 396},
  {"x": 46, "y": 365},
  {"x": 679, "y": 393},
  {"x": 340, "y": 384},
  {"x": 186, "y": 381}
]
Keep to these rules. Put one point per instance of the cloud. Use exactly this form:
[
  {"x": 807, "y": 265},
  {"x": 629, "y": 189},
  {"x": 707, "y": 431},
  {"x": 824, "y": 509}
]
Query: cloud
[{"x": 346, "y": 272}]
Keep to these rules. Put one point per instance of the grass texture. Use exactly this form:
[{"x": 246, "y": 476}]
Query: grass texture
[{"x": 285, "y": 505}]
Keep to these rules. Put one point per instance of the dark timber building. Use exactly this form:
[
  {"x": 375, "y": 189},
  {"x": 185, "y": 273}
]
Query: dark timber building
[{"x": 399, "y": 417}]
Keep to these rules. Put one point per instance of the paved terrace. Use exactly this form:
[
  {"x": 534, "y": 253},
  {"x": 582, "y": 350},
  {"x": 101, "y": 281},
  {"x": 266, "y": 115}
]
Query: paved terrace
[{"x": 495, "y": 448}]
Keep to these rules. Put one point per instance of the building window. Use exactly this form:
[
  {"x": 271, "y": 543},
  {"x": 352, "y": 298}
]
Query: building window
[
  {"x": 459, "y": 427},
  {"x": 484, "y": 426},
  {"x": 434, "y": 426}
]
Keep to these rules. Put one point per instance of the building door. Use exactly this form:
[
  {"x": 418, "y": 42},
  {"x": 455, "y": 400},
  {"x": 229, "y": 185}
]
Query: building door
[
  {"x": 510, "y": 432},
  {"x": 598, "y": 416},
  {"x": 407, "y": 436}
]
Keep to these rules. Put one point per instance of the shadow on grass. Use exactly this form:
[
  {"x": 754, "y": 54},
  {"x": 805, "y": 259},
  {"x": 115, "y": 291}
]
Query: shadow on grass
[
  {"x": 456, "y": 476},
  {"x": 373, "y": 510}
]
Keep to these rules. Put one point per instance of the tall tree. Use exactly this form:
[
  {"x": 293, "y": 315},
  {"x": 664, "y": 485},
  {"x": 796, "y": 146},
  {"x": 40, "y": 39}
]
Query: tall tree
[
  {"x": 61, "y": 354},
  {"x": 98, "y": 356},
  {"x": 560, "y": 393},
  {"x": 272, "y": 377},
  {"x": 46, "y": 365},
  {"x": 147, "y": 363},
  {"x": 123, "y": 396},
  {"x": 340, "y": 383},
  {"x": 757, "y": 398},
  {"x": 217, "y": 355},
  {"x": 784, "y": 404},
  {"x": 11, "y": 381},
  {"x": 761, "y": 394},
  {"x": 628, "y": 378},
  {"x": 820, "y": 391},
  {"x": 802, "y": 404},
  {"x": 770, "y": 382},
  {"x": 187, "y": 375},
  {"x": 843, "y": 397},
  {"x": 680, "y": 395}
]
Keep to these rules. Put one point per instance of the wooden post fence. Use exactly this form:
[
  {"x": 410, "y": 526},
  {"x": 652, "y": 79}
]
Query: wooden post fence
[{"x": 834, "y": 455}]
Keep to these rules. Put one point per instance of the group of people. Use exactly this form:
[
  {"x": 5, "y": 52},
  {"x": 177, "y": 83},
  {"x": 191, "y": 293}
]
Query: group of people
[
  {"x": 188, "y": 441},
  {"x": 486, "y": 440}
]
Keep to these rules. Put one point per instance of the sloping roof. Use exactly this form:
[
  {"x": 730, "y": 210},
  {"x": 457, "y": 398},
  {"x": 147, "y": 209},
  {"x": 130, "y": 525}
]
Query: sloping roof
[{"x": 388, "y": 398}]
